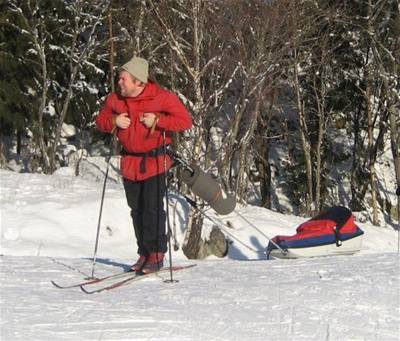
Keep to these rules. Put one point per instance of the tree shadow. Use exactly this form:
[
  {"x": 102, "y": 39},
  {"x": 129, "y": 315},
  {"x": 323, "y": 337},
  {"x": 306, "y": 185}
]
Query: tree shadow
[
  {"x": 180, "y": 213},
  {"x": 235, "y": 252}
]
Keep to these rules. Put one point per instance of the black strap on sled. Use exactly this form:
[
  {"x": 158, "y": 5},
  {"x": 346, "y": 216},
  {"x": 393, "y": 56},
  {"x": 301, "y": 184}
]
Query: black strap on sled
[
  {"x": 151, "y": 153},
  {"x": 338, "y": 214},
  {"x": 338, "y": 240}
]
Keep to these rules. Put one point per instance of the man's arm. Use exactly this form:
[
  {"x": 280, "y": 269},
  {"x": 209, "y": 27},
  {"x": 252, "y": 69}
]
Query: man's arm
[
  {"x": 176, "y": 117},
  {"x": 108, "y": 120}
]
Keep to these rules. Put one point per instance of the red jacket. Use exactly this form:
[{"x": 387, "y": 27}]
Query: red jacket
[{"x": 137, "y": 138}]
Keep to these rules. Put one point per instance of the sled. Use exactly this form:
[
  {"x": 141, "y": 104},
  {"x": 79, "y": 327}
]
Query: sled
[{"x": 333, "y": 232}]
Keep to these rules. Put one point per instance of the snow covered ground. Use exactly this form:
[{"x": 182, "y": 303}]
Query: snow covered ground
[{"x": 48, "y": 228}]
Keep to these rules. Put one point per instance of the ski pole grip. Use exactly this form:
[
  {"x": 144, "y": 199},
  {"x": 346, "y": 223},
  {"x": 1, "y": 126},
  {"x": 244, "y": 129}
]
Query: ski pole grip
[{"x": 205, "y": 187}]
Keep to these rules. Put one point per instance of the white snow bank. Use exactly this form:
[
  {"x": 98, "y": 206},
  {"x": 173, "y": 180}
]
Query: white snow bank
[{"x": 58, "y": 215}]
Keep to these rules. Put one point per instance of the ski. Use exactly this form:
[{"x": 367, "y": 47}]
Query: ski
[
  {"x": 115, "y": 284},
  {"x": 134, "y": 278},
  {"x": 92, "y": 281}
]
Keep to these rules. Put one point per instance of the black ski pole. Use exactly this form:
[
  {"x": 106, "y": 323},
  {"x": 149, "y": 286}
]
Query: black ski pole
[
  {"x": 169, "y": 232},
  {"x": 177, "y": 158},
  {"x": 101, "y": 204}
]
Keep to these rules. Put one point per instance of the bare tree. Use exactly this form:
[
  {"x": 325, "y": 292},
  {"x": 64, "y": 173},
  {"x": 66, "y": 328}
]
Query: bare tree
[
  {"x": 259, "y": 38},
  {"x": 387, "y": 56},
  {"x": 71, "y": 58},
  {"x": 370, "y": 114},
  {"x": 322, "y": 78},
  {"x": 300, "y": 52},
  {"x": 33, "y": 27},
  {"x": 377, "y": 76},
  {"x": 87, "y": 20}
]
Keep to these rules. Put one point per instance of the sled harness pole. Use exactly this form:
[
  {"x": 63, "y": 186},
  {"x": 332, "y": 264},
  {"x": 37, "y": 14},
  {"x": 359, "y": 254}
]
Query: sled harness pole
[
  {"x": 220, "y": 223},
  {"x": 169, "y": 232},
  {"x": 194, "y": 205},
  {"x": 261, "y": 232}
]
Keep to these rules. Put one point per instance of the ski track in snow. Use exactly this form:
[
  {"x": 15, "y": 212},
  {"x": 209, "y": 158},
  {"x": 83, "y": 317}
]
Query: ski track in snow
[{"x": 336, "y": 298}]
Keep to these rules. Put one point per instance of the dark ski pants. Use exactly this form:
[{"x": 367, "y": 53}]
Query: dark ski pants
[{"x": 145, "y": 199}]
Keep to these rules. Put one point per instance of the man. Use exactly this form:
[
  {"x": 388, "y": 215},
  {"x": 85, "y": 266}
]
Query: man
[{"x": 142, "y": 112}]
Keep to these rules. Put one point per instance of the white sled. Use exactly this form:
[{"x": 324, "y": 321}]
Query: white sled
[{"x": 348, "y": 247}]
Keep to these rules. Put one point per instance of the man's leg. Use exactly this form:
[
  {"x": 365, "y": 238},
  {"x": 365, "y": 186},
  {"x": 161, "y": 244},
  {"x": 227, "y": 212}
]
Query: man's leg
[
  {"x": 133, "y": 192},
  {"x": 154, "y": 217}
]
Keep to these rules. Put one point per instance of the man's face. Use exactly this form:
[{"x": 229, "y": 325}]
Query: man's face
[{"x": 128, "y": 85}]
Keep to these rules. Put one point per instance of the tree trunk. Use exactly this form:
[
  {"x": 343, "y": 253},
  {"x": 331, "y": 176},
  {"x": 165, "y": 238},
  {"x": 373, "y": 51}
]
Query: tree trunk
[
  {"x": 3, "y": 153},
  {"x": 395, "y": 143},
  {"x": 241, "y": 185},
  {"x": 261, "y": 158},
  {"x": 231, "y": 145},
  {"x": 45, "y": 162},
  {"x": 370, "y": 115},
  {"x": 355, "y": 177},
  {"x": 264, "y": 170},
  {"x": 304, "y": 140},
  {"x": 19, "y": 142},
  {"x": 320, "y": 100},
  {"x": 372, "y": 172},
  {"x": 111, "y": 40},
  {"x": 192, "y": 244},
  {"x": 53, "y": 149}
]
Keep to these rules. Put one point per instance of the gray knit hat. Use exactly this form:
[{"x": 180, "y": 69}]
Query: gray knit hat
[{"x": 138, "y": 68}]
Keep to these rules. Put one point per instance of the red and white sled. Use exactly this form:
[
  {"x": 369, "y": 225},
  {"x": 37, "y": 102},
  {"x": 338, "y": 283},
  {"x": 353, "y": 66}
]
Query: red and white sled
[{"x": 332, "y": 232}]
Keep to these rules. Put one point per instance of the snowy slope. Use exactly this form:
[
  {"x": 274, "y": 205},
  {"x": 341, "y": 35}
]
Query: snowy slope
[{"x": 48, "y": 227}]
